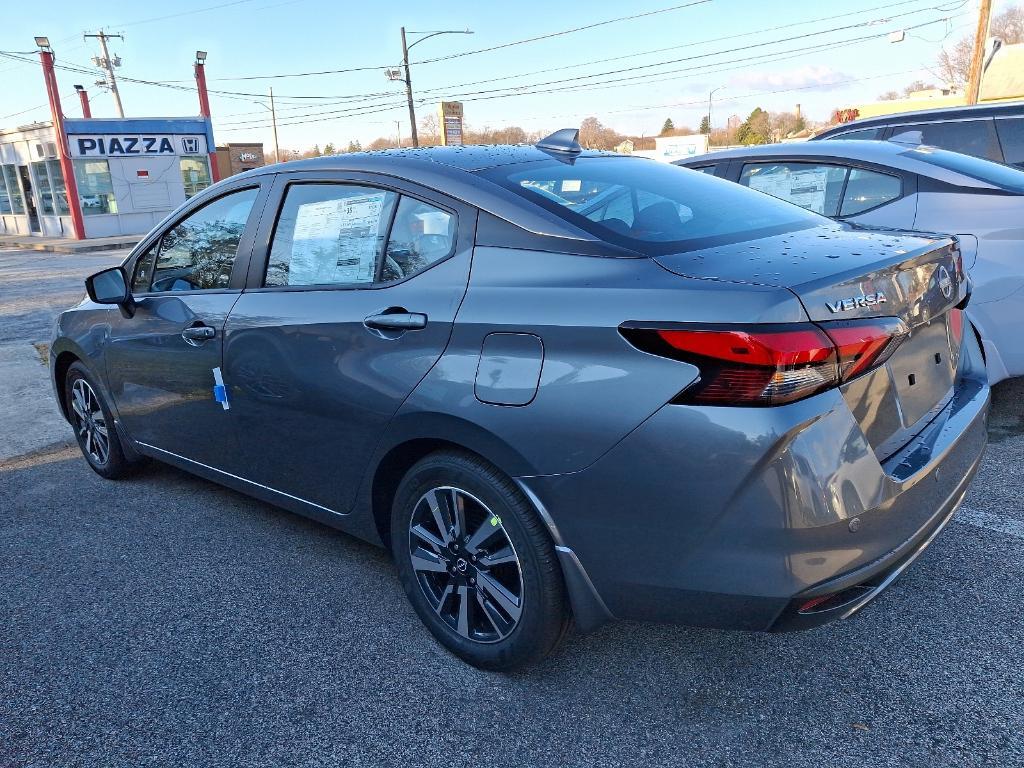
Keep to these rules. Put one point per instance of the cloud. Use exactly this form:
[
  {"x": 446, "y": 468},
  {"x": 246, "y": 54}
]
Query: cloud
[{"x": 803, "y": 77}]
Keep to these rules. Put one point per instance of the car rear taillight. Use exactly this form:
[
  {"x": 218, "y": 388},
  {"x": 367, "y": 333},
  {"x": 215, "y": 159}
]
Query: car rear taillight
[
  {"x": 864, "y": 344},
  {"x": 763, "y": 365}
]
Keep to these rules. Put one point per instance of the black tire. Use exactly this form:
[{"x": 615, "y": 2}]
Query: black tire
[
  {"x": 112, "y": 462},
  {"x": 544, "y": 615}
]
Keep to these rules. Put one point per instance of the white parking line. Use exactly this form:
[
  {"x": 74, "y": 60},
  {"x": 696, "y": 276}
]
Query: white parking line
[{"x": 990, "y": 521}]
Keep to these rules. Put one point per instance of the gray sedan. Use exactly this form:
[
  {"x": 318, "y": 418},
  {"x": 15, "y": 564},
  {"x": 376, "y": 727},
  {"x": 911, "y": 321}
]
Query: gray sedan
[
  {"x": 906, "y": 186},
  {"x": 558, "y": 385}
]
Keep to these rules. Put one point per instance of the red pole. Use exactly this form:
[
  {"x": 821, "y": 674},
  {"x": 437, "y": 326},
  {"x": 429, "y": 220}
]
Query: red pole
[
  {"x": 66, "y": 167},
  {"x": 83, "y": 96},
  {"x": 204, "y": 111}
]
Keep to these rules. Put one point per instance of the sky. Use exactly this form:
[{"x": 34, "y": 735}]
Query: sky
[{"x": 631, "y": 74}]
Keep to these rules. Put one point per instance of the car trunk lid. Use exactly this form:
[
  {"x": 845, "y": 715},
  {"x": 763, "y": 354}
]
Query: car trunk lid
[{"x": 839, "y": 274}]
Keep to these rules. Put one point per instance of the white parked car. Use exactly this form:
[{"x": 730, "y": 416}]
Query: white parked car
[{"x": 910, "y": 187}]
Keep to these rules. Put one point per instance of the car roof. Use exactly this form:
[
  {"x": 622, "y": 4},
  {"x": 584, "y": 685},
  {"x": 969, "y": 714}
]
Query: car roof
[
  {"x": 471, "y": 158},
  {"x": 928, "y": 115},
  {"x": 451, "y": 171},
  {"x": 885, "y": 153}
]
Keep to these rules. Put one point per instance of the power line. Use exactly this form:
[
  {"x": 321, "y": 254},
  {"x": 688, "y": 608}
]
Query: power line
[
  {"x": 717, "y": 40},
  {"x": 181, "y": 13},
  {"x": 473, "y": 52},
  {"x": 540, "y": 88},
  {"x": 448, "y": 88}
]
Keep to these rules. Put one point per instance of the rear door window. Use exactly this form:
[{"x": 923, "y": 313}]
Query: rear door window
[
  {"x": 969, "y": 137},
  {"x": 708, "y": 169},
  {"x": 1011, "y": 136},
  {"x": 331, "y": 234},
  {"x": 420, "y": 236},
  {"x": 815, "y": 186},
  {"x": 868, "y": 189}
]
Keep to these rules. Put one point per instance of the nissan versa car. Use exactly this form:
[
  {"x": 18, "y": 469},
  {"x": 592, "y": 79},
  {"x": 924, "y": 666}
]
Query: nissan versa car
[
  {"x": 556, "y": 384},
  {"x": 910, "y": 186}
]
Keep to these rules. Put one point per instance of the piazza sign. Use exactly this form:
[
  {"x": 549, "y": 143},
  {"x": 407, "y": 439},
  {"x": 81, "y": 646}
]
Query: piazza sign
[{"x": 126, "y": 145}]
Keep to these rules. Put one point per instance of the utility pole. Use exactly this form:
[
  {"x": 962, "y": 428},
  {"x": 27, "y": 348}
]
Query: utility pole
[
  {"x": 707, "y": 141},
  {"x": 398, "y": 132},
  {"x": 408, "y": 93},
  {"x": 105, "y": 62},
  {"x": 978, "y": 54},
  {"x": 393, "y": 74},
  {"x": 273, "y": 120}
]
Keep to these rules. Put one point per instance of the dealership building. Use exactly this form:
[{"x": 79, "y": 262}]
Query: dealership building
[
  {"x": 100, "y": 177},
  {"x": 129, "y": 174}
]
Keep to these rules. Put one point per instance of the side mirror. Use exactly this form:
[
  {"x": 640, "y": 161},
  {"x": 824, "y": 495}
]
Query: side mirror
[{"x": 108, "y": 287}]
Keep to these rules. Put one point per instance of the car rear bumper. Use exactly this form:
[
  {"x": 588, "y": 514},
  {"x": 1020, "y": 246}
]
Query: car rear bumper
[{"x": 737, "y": 518}]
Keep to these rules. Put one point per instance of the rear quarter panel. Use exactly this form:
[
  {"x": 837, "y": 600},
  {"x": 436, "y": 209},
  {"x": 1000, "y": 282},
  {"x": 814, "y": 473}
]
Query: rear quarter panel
[{"x": 594, "y": 387}]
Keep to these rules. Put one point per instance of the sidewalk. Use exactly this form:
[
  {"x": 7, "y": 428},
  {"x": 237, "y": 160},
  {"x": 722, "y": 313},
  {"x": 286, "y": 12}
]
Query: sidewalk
[{"x": 64, "y": 245}]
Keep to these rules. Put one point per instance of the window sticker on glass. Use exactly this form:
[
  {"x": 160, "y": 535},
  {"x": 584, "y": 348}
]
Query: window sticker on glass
[
  {"x": 335, "y": 241},
  {"x": 806, "y": 188},
  {"x": 572, "y": 185}
]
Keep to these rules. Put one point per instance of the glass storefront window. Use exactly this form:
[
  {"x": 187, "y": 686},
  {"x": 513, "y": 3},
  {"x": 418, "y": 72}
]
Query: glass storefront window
[
  {"x": 95, "y": 189},
  {"x": 14, "y": 189},
  {"x": 5, "y": 196},
  {"x": 195, "y": 175},
  {"x": 60, "y": 192},
  {"x": 42, "y": 179}
]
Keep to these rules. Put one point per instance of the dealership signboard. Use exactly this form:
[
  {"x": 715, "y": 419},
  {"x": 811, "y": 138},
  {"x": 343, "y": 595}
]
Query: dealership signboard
[
  {"x": 451, "y": 123},
  {"x": 126, "y": 145}
]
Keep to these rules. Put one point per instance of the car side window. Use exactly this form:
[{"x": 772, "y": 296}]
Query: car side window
[
  {"x": 329, "y": 234},
  {"x": 861, "y": 134},
  {"x": 968, "y": 137},
  {"x": 420, "y": 235},
  {"x": 816, "y": 187},
  {"x": 708, "y": 169},
  {"x": 868, "y": 189},
  {"x": 1011, "y": 136},
  {"x": 199, "y": 251}
]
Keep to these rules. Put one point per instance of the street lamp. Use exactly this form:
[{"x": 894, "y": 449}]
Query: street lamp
[
  {"x": 390, "y": 73},
  {"x": 710, "y": 95},
  {"x": 43, "y": 42},
  {"x": 273, "y": 121},
  {"x": 200, "y": 57}
]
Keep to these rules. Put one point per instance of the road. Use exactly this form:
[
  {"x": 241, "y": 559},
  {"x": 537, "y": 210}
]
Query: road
[{"x": 167, "y": 621}]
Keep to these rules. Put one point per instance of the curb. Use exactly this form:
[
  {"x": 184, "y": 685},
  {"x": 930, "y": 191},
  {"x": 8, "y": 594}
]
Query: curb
[{"x": 25, "y": 245}]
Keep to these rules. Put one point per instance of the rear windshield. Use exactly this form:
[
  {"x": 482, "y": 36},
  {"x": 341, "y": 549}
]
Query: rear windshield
[
  {"x": 1003, "y": 176},
  {"x": 651, "y": 207}
]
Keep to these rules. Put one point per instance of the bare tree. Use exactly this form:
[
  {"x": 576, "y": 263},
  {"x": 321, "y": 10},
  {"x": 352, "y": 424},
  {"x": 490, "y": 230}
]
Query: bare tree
[
  {"x": 595, "y": 135},
  {"x": 429, "y": 130},
  {"x": 917, "y": 85},
  {"x": 955, "y": 64}
]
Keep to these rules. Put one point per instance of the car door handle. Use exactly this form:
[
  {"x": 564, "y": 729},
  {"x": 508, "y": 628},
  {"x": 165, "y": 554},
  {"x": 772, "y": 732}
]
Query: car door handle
[
  {"x": 396, "y": 321},
  {"x": 196, "y": 333}
]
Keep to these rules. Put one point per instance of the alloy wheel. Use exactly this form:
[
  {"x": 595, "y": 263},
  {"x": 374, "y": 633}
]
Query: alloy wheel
[
  {"x": 90, "y": 423},
  {"x": 466, "y": 565}
]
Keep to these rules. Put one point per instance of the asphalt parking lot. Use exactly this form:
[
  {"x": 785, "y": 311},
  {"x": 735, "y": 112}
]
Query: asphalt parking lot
[{"x": 167, "y": 621}]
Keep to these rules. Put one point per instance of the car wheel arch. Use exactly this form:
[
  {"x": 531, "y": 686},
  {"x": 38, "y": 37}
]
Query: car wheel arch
[
  {"x": 61, "y": 364},
  {"x": 402, "y": 454}
]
